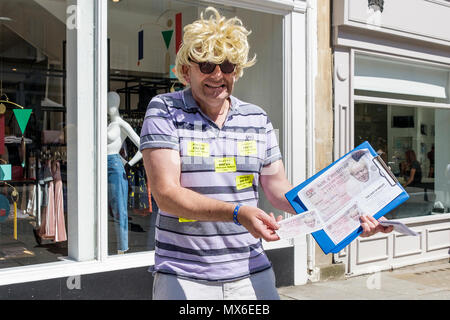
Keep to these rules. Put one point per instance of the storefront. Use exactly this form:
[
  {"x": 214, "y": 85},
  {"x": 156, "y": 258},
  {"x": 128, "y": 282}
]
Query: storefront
[
  {"x": 392, "y": 88},
  {"x": 59, "y": 60}
]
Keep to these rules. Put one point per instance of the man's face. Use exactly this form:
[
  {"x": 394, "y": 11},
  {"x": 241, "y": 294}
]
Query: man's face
[
  {"x": 209, "y": 90},
  {"x": 360, "y": 172}
]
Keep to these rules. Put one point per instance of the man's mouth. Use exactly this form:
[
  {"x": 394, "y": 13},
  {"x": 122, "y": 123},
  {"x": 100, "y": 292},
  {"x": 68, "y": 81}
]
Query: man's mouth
[{"x": 215, "y": 86}]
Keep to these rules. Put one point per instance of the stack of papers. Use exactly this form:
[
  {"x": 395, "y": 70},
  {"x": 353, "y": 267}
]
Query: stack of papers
[{"x": 358, "y": 184}]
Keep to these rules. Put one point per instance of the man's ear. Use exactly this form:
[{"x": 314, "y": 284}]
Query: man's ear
[{"x": 185, "y": 70}]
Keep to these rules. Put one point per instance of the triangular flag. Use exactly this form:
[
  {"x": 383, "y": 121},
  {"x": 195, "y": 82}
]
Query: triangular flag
[
  {"x": 22, "y": 117},
  {"x": 167, "y": 35},
  {"x": 140, "y": 45}
]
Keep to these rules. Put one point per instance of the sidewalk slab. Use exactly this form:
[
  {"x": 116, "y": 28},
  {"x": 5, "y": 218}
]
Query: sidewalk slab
[{"x": 419, "y": 282}]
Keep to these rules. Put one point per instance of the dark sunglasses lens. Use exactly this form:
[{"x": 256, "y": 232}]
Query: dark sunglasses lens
[
  {"x": 227, "y": 67},
  {"x": 206, "y": 67}
]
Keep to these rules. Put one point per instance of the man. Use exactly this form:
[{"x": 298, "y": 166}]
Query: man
[{"x": 205, "y": 153}]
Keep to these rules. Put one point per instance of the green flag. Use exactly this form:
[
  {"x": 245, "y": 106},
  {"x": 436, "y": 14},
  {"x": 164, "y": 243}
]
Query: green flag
[
  {"x": 22, "y": 117},
  {"x": 167, "y": 35}
]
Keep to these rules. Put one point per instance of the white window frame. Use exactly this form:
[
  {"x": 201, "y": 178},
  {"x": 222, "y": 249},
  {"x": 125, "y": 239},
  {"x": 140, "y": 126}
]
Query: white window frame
[
  {"x": 82, "y": 149},
  {"x": 87, "y": 94},
  {"x": 397, "y": 102}
]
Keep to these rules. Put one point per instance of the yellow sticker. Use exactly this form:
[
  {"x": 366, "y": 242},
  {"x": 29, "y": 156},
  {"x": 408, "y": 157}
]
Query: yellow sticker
[
  {"x": 225, "y": 164},
  {"x": 247, "y": 148},
  {"x": 243, "y": 182},
  {"x": 198, "y": 149},
  {"x": 185, "y": 220}
]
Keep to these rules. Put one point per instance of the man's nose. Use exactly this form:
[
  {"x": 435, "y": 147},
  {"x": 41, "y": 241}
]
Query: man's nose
[{"x": 217, "y": 72}]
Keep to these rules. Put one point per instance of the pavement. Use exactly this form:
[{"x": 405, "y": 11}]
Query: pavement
[{"x": 427, "y": 281}]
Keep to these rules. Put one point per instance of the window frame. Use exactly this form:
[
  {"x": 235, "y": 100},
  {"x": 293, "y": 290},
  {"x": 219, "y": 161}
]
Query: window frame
[
  {"x": 88, "y": 231},
  {"x": 389, "y": 101}
]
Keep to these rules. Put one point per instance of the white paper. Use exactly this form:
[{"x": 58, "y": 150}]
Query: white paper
[
  {"x": 356, "y": 180},
  {"x": 347, "y": 222},
  {"x": 399, "y": 227},
  {"x": 298, "y": 225}
]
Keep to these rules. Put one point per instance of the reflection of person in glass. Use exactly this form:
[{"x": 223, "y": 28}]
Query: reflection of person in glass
[
  {"x": 118, "y": 131},
  {"x": 411, "y": 169},
  {"x": 430, "y": 156}
]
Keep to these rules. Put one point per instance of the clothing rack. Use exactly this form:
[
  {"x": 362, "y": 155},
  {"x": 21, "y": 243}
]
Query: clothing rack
[{"x": 135, "y": 83}]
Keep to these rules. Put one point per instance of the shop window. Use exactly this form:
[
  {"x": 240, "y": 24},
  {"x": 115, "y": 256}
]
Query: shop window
[
  {"x": 413, "y": 141},
  {"x": 33, "y": 136},
  {"x": 143, "y": 38}
]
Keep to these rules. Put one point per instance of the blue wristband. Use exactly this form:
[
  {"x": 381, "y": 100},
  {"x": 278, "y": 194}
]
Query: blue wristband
[{"x": 235, "y": 213}]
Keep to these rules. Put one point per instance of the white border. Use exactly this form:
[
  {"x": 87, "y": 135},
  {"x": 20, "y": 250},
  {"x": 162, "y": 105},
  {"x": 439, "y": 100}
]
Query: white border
[{"x": 294, "y": 25}]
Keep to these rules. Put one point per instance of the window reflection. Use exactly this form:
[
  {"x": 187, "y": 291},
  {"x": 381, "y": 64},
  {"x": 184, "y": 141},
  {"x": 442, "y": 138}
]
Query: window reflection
[{"x": 414, "y": 142}]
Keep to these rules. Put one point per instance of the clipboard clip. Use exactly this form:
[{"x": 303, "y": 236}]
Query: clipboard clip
[{"x": 384, "y": 169}]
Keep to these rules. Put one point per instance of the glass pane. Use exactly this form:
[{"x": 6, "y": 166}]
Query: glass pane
[
  {"x": 414, "y": 142},
  {"x": 33, "y": 175},
  {"x": 143, "y": 43}
]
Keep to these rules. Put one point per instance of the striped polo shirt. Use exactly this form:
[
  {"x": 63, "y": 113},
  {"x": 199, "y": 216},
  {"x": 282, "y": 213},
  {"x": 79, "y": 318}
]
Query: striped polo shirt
[{"x": 220, "y": 163}]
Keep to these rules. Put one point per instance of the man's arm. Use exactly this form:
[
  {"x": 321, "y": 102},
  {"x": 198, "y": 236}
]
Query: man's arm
[
  {"x": 163, "y": 171},
  {"x": 275, "y": 185}
]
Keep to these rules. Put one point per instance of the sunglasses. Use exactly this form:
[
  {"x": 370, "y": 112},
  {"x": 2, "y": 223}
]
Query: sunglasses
[{"x": 209, "y": 67}]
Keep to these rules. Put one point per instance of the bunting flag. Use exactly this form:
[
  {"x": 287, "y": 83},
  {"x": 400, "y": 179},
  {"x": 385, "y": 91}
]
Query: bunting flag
[
  {"x": 140, "y": 46},
  {"x": 22, "y": 117},
  {"x": 172, "y": 72},
  {"x": 167, "y": 35},
  {"x": 178, "y": 35},
  {"x": 5, "y": 172}
]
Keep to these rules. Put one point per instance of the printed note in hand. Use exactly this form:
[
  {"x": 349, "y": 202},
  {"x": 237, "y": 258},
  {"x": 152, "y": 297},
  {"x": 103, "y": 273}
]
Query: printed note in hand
[{"x": 298, "y": 225}]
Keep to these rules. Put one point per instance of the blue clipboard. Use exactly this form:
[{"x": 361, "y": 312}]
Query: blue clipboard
[{"x": 321, "y": 237}]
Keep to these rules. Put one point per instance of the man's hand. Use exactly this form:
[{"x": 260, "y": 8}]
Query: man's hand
[
  {"x": 371, "y": 226},
  {"x": 259, "y": 223}
]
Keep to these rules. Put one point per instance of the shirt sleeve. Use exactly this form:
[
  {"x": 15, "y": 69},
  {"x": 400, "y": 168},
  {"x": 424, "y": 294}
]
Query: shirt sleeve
[
  {"x": 272, "y": 149},
  {"x": 158, "y": 129}
]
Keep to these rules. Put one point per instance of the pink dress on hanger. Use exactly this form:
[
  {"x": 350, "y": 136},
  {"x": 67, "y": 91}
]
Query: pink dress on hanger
[
  {"x": 48, "y": 225},
  {"x": 60, "y": 223}
]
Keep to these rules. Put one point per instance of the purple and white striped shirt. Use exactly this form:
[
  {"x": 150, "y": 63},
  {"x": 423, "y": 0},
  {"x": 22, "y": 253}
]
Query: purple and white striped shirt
[{"x": 221, "y": 163}]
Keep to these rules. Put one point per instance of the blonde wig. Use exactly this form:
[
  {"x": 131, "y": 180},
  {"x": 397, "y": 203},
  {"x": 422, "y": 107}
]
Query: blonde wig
[{"x": 215, "y": 40}]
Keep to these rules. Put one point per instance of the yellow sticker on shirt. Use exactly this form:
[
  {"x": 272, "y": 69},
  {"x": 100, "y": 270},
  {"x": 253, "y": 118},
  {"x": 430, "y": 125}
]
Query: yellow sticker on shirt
[
  {"x": 225, "y": 164},
  {"x": 198, "y": 149},
  {"x": 247, "y": 148},
  {"x": 243, "y": 182},
  {"x": 185, "y": 220}
]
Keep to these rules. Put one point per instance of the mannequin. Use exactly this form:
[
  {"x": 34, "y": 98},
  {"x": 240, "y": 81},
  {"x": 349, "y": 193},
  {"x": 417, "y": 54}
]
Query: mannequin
[{"x": 118, "y": 131}]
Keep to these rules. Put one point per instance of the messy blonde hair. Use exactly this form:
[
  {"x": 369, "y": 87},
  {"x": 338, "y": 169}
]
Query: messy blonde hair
[{"x": 215, "y": 40}]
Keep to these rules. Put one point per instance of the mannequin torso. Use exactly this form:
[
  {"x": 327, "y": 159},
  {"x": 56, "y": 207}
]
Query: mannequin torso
[{"x": 119, "y": 129}]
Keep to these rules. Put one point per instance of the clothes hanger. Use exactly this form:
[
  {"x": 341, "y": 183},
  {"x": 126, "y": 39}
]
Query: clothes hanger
[{"x": 7, "y": 101}]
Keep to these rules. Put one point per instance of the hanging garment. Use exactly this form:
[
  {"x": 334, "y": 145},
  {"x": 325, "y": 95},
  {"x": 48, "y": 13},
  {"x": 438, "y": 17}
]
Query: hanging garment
[
  {"x": 60, "y": 224},
  {"x": 138, "y": 198},
  {"x": 31, "y": 204},
  {"x": 48, "y": 225},
  {"x": 2, "y": 134},
  {"x": 142, "y": 197}
]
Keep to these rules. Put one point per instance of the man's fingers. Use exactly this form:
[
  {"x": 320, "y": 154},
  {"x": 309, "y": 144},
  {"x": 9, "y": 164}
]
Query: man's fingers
[{"x": 269, "y": 220}]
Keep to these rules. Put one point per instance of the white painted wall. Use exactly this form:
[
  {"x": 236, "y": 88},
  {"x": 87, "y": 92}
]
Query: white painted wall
[{"x": 418, "y": 18}]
